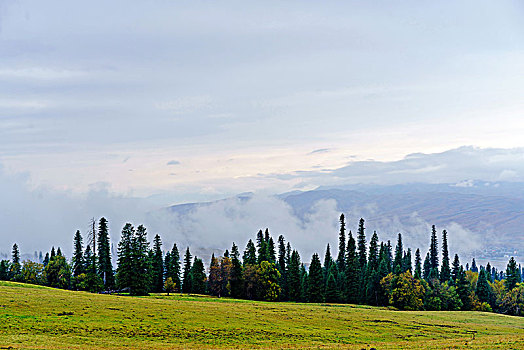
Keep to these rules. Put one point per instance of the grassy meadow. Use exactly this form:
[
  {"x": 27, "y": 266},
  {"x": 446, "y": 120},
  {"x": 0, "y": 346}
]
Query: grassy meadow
[{"x": 35, "y": 317}]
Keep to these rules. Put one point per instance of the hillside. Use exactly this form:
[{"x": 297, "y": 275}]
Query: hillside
[{"x": 33, "y": 317}]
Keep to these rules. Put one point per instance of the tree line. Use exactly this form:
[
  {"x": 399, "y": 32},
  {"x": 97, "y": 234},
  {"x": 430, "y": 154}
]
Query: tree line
[{"x": 374, "y": 274}]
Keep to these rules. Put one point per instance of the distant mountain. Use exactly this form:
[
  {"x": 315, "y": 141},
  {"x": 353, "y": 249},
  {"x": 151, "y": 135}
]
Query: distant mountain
[{"x": 493, "y": 213}]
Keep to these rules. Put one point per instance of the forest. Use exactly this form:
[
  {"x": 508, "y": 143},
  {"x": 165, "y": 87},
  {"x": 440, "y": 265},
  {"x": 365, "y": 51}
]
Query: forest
[{"x": 376, "y": 274}]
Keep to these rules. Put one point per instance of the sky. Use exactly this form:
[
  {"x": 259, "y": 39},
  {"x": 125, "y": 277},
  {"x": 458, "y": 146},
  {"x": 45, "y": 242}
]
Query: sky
[{"x": 172, "y": 102}]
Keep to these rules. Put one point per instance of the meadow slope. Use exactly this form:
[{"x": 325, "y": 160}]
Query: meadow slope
[{"x": 34, "y": 317}]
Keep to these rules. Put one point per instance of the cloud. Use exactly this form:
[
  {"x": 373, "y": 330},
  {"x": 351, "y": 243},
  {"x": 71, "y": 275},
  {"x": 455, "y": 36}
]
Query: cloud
[
  {"x": 173, "y": 162},
  {"x": 320, "y": 150}
]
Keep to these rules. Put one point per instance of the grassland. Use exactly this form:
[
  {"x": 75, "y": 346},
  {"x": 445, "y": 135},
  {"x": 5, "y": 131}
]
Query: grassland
[{"x": 33, "y": 317}]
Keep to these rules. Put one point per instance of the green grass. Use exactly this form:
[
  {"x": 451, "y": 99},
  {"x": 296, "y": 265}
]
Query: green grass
[{"x": 44, "y": 318}]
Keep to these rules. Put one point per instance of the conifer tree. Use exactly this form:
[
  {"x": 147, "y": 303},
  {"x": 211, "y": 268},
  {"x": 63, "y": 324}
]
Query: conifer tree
[
  {"x": 304, "y": 284},
  {"x": 445, "y": 271},
  {"x": 16, "y": 268},
  {"x": 105, "y": 266},
  {"x": 294, "y": 280},
  {"x": 331, "y": 294},
  {"x": 270, "y": 251},
  {"x": 250, "y": 254},
  {"x": 175, "y": 268},
  {"x": 433, "y": 253},
  {"x": 125, "y": 267},
  {"x": 78, "y": 255},
  {"x": 463, "y": 289},
  {"x": 46, "y": 259},
  {"x": 341, "y": 259},
  {"x": 406, "y": 262},
  {"x": 316, "y": 281},
  {"x": 455, "y": 268},
  {"x": 488, "y": 273},
  {"x": 281, "y": 266},
  {"x": 236, "y": 273},
  {"x": 427, "y": 267},
  {"x": 53, "y": 253},
  {"x": 262, "y": 246},
  {"x": 352, "y": 272},
  {"x": 328, "y": 261},
  {"x": 198, "y": 277},
  {"x": 373, "y": 253},
  {"x": 361, "y": 238},
  {"x": 483, "y": 291},
  {"x": 418, "y": 265},
  {"x": 59, "y": 252},
  {"x": 512, "y": 274},
  {"x": 158, "y": 265},
  {"x": 214, "y": 281},
  {"x": 186, "y": 283},
  {"x": 474, "y": 267},
  {"x": 142, "y": 276},
  {"x": 397, "y": 263}
]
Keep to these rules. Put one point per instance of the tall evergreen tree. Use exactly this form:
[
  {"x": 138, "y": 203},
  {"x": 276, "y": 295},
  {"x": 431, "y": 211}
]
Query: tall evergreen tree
[
  {"x": 198, "y": 277},
  {"x": 445, "y": 270},
  {"x": 105, "y": 266},
  {"x": 406, "y": 262},
  {"x": 512, "y": 274},
  {"x": 474, "y": 267},
  {"x": 262, "y": 246},
  {"x": 341, "y": 259},
  {"x": 397, "y": 263},
  {"x": 175, "y": 268},
  {"x": 281, "y": 266},
  {"x": 488, "y": 273},
  {"x": 142, "y": 276},
  {"x": 427, "y": 267},
  {"x": 250, "y": 254},
  {"x": 125, "y": 267},
  {"x": 235, "y": 281},
  {"x": 373, "y": 253},
  {"x": 331, "y": 294},
  {"x": 433, "y": 253},
  {"x": 352, "y": 272},
  {"x": 483, "y": 291},
  {"x": 294, "y": 278},
  {"x": 270, "y": 251},
  {"x": 78, "y": 255},
  {"x": 214, "y": 281},
  {"x": 315, "y": 281},
  {"x": 158, "y": 265},
  {"x": 186, "y": 283},
  {"x": 418, "y": 264},
  {"x": 455, "y": 268},
  {"x": 361, "y": 240},
  {"x": 16, "y": 268},
  {"x": 328, "y": 261}
]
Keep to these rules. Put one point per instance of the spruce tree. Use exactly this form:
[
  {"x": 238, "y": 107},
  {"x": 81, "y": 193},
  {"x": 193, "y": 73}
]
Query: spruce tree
[
  {"x": 304, "y": 284},
  {"x": 281, "y": 266},
  {"x": 445, "y": 271},
  {"x": 328, "y": 261},
  {"x": 455, "y": 268},
  {"x": 373, "y": 253},
  {"x": 294, "y": 278},
  {"x": 315, "y": 281},
  {"x": 78, "y": 255},
  {"x": 141, "y": 278},
  {"x": 16, "y": 268},
  {"x": 512, "y": 274},
  {"x": 427, "y": 267},
  {"x": 474, "y": 267},
  {"x": 198, "y": 277},
  {"x": 331, "y": 294},
  {"x": 341, "y": 259},
  {"x": 352, "y": 272},
  {"x": 175, "y": 263},
  {"x": 418, "y": 265},
  {"x": 262, "y": 247},
  {"x": 214, "y": 281},
  {"x": 186, "y": 283},
  {"x": 483, "y": 291},
  {"x": 125, "y": 266},
  {"x": 406, "y": 262},
  {"x": 250, "y": 254},
  {"x": 397, "y": 263},
  {"x": 361, "y": 238},
  {"x": 105, "y": 266},
  {"x": 488, "y": 273},
  {"x": 433, "y": 254},
  {"x": 236, "y": 273},
  {"x": 270, "y": 251},
  {"x": 158, "y": 265}
]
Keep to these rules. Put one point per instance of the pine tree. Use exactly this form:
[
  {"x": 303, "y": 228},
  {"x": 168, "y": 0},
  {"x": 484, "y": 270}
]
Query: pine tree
[
  {"x": 474, "y": 267},
  {"x": 455, "y": 268},
  {"x": 445, "y": 271},
  {"x": 250, "y": 254},
  {"x": 281, "y": 266},
  {"x": 488, "y": 272},
  {"x": 406, "y": 262},
  {"x": 141, "y": 278},
  {"x": 315, "y": 281},
  {"x": 433, "y": 253},
  {"x": 328, "y": 261},
  {"x": 397, "y": 263},
  {"x": 262, "y": 247},
  {"x": 331, "y": 294},
  {"x": 427, "y": 267},
  {"x": 198, "y": 277},
  {"x": 158, "y": 265},
  {"x": 105, "y": 266},
  {"x": 294, "y": 280},
  {"x": 175, "y": 268},
  {"x": 214, "y": 281},
  {"x": 236, "y": 273},
  {"x": 373, "y": 280},
  {"x": 304, "y": 284},
  {"x": 361, "y": 238},
  {"x": 186, "y": 283},
  {"x": 373, "y": 253},
  {"x": 483, "y": 291},
  {"x": 352, "y": 272},
  {"x": 418, "y": 265},
  {"x": 124, "y": 270},
  {"x": 78, "y": 255},
  {"x": 59, "y": 252},
  {"x": 512, "y": 274},
  {"x": 341, "y": 259},
  {"x": 270, "y": 251},
  {"x": 16, "y": 268},
  {"x": 53, "y": 253},
  {"x": 463, "y": 289}
]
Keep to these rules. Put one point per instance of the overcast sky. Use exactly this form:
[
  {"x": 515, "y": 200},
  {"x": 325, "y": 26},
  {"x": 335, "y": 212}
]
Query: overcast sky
[{"x": 196, "y": 100}]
